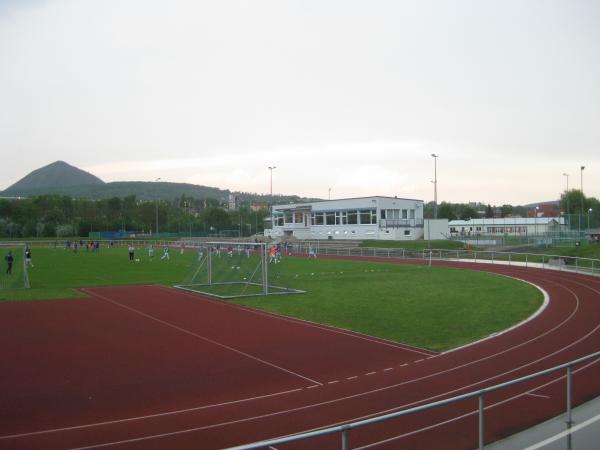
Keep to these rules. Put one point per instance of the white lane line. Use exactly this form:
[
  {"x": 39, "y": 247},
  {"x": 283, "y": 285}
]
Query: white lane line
[
  {"x": 328, "y": 328},
  {"x": 352, "y": 378},
  {"x": 362, "y": 393},
  {"x": 203, "y": 338},
  {"x": 388, "y": 369},
  {"x": 333, "y": 382},
  {"x": 538, "y": 395},
  {"x": 370, "y": 373},
  {"x": 564, "y": 433},
  {"x": 404, "y": 365},
  {"x": 418, "y": 360},
  {"x": 472, "y": 413}
]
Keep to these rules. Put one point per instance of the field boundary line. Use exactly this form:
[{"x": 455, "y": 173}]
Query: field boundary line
[
  {"x": 329, "y": 328},
  {"x": 191, "y": 333},
  {"x": 385, "y": 388}
]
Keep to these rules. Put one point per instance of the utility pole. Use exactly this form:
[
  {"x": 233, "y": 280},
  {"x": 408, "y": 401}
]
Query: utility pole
[{"x": 435, "y": 157}]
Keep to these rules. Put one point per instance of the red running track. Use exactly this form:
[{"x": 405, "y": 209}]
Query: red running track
[{"x": 146, "y": 367}]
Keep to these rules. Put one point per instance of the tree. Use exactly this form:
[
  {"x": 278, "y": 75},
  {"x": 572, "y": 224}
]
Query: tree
[{"x": 489, "y": 212}]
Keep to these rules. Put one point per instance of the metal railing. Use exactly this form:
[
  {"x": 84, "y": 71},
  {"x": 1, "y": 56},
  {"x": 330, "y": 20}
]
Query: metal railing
[
  {"x": 575, "y": 264},
  {"x": 480, "y": 394}
]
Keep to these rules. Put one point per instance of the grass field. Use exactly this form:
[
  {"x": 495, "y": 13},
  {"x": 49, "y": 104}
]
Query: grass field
[{"x": 436, "y": 308}]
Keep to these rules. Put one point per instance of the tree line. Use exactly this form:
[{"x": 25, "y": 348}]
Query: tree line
[{"x": 61, "y": 216}]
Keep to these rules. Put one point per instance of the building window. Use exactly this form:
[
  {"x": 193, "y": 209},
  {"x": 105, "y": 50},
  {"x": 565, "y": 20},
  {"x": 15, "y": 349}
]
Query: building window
[
  {"x": 405, "y": 213},
  {"x": 365, "y": 217},
  {"x": 288, "y": 217},
  {"x": 278, "y": 219},
  {"x": 298, "y": 217},
  {"x": 330, "y": 218},
  {"x": 406, "y": 232},
  {"x": 352, "y": 217},
  {"x": 373, "y": 216},
  {"x": 383, "y": 213},
  {"x": 412, "y": 213},
  {"x": 317, "y": 218}
]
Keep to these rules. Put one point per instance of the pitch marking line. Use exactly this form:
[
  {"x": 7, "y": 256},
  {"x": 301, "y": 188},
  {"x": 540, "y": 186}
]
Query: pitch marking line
[
  {"x": 203, "y": 338},
  {"x": 363, "y": 394},
  {"x": 328, "y": 328}
]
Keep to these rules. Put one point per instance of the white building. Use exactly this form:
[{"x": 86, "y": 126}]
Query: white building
[
  {"x": 511, "y": 226},
  {"x": 351, "y": 218}
]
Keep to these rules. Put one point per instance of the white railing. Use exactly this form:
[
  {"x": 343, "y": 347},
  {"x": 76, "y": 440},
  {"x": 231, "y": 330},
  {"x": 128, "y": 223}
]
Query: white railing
[
  {"x": 480, "y": 394},
  {"x": 588, "y": 266}
]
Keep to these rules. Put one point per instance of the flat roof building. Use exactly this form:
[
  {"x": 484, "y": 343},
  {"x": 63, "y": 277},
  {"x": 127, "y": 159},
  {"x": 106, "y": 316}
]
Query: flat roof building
[{"x": 377, "y": 217}]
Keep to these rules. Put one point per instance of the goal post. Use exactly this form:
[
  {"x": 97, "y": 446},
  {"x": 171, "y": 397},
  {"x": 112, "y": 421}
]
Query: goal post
[
  {"x": 232, "y": 269},
  {"x": 14, "y": 273}
]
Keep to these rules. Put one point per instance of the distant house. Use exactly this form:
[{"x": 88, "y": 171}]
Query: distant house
[
  {"x": 513, "y": 226},
  {"x": 350, "y": 218}
]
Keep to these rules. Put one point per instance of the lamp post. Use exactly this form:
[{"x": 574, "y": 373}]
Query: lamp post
[
  {"x": 435, "y": 157},
  {"x": 537, "y": 208},
  {"x": 271, "y": 169},
  {"x": 156, "y": 204},
  {"x": 581, "y": 181},
  {"x": 589, "y": 212},
  {"x": 329, "y": 195},
  {"x": 567, "y": 192}
]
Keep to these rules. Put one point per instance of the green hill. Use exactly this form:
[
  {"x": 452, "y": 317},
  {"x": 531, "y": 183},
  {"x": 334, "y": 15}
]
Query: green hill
[{"x": 57, "y": 174}]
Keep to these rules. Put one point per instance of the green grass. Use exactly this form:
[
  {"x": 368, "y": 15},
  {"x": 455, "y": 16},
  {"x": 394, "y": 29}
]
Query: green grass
[
  {"x": 436, "y": 308},
  {"x": 57, "y": 271},
  {"x": 431, "y": 307},
  {"x": 415, "y": 245}
]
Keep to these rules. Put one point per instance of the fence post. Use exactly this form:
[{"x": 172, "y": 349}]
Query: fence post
[
  {"x": 509, "y": 258},
  {"x": 569, "y": 393},
  {"x": 345, "y": 439},
  {"x": 525, "y": 260},
  {"x": 576, "y": 265},
  {"x": 475, "y": 256},
  {"x": 481, "y": 424},
  {"x": 492, "y": 257}
]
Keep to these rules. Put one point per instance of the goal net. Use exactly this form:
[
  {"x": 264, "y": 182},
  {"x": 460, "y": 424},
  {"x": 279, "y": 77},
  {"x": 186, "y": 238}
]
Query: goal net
[
  {"x": 14, "y": 270},
  {"x": 236, "y": 269}
]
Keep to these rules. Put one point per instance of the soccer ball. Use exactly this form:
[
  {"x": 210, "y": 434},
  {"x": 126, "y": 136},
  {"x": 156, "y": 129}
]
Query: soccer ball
[{"x": 137, "y": 259}]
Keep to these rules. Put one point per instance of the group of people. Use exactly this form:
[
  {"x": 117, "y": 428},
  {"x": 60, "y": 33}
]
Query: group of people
[
  {"x": 10, "y": 260},
  {"x": 165, "y": 255}
]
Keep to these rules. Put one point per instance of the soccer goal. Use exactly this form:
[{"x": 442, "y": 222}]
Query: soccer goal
[
  {"x": 235, "y": 269},
  {"x": 14, "y": 270}
]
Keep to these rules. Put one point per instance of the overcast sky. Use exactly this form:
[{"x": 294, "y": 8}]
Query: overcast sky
[{"x": 349, "y": 95}]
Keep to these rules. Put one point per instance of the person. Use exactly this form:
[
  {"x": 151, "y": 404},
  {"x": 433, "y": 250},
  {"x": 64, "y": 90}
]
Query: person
[
  {"x": 272, "y": 254},
  {"x": 200, "y": 254},
  {"x": 9, "y": 262},
  {"x": 28, "y": 261},
  {"x": 230, "y": 251},
  {"x": 150, "y": 251},
  {"x": 131, "y": 250},
  {"x": 182, "y": 249},
  {"x": 311, "y": 252},
  {"x": 165, "y": 254},
  {"x": 75, "y": 247}
]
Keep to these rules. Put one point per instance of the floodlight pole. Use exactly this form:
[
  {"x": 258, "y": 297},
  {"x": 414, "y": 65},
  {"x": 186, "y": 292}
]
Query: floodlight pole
[
  {"x": 435, "y": 157},
  {"x": 271, "y": 169},
  {"x": 156, "y": 205},
  {"x": 567, "y": 192},
  {"x": 581, "y": 210}
]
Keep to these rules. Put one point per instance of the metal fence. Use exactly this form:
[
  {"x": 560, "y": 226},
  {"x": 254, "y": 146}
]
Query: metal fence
[
  {"x": 588, "y": 266},
  {"x": 344, "y": 429}
]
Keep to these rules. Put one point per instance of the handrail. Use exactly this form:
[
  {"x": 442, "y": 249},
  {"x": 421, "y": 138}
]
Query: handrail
[{"x": 361, "y": 423}]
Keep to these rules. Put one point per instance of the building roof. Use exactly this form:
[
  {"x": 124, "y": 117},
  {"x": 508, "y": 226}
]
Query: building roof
[{"x": 322, "y": 203}]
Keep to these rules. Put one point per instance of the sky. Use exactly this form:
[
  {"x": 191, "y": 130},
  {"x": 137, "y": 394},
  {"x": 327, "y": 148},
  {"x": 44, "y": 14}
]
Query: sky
[{"x": 345, "y": 98}]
